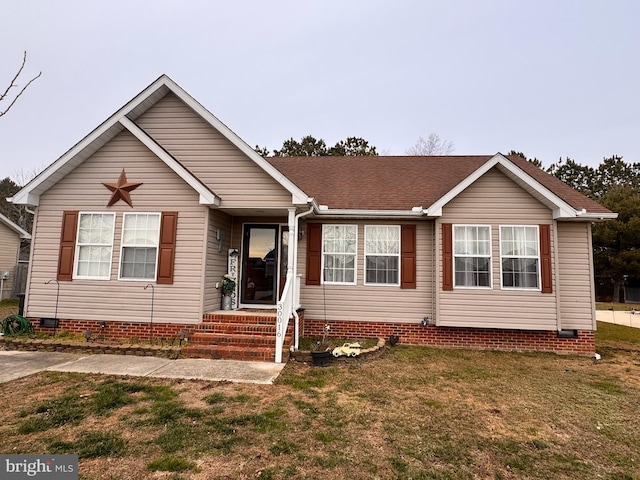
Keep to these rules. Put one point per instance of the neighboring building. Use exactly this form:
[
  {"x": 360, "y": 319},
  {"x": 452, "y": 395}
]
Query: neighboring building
[
  {"x": 11, "y": 236},
  {"x": 461, "y": 251}
]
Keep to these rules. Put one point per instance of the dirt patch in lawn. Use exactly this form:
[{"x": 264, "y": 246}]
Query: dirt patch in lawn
[{"x": 412, "y": 413}]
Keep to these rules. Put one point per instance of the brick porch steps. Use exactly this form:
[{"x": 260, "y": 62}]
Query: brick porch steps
[
  {"x": 256, "y": 354},
  {"x": 237, "y": 335},
  {"x": 238, "y": 339}
]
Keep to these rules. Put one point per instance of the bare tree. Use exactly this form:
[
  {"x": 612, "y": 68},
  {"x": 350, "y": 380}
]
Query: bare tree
[
  {"x": 433, "y": 145},
  {"x": 4, "y": 96}
]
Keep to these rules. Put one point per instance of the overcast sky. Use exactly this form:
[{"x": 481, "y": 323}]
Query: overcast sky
[{"x": 551, "y": 78}]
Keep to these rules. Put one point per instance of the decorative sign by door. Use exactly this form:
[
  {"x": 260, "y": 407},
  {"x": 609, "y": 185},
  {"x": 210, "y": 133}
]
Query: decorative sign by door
[{"x": 232, "y": 268}]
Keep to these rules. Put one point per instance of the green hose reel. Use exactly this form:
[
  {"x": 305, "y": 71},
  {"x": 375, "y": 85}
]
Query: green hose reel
[{"x": 16, "y": 324}]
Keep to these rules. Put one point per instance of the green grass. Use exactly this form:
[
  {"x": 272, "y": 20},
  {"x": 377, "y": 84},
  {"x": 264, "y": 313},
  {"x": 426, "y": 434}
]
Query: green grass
[
  {"x": 53, "y": 413},
  {"x": 609, "y": 332},
  {"x": 91, "y": 445},
  {"x": 168, "y": 463}
]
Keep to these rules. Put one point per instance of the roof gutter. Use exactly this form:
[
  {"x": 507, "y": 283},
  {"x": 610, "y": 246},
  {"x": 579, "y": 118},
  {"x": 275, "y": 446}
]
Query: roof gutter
[
  {"x": 325, "y": 211},
  {"x": 594, "y": 216}
]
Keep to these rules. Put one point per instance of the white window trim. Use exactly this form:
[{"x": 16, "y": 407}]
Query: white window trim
[
  {"x": 365, "y": 255},
  {"x": 76, "y": 254},
  {"x": 490, "y": 256},
  {"x": 123, "y": 246},
  {"x": 529, "y": 289},
  {"x": 355, "y": 255}
]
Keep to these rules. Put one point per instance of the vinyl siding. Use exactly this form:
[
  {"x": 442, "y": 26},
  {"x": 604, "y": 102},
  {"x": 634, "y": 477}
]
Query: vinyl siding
[
  {"x": 495, "y": 200},
  {"x": 82, "y": 189},
  {"x": 575, "y": 276},
  {"x": 216, "y": 265},
  {"x": 372, "y": 303},
  {"x": 9, "y": 251},
  {"x": 212, "y": 158}
]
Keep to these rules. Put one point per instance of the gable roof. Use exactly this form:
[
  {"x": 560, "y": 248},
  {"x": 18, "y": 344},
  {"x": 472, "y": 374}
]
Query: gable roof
[
  {"x": 16, "y": 228},
  {"x": 422, "y": 185},
  {"x": 125, "y": 118}
]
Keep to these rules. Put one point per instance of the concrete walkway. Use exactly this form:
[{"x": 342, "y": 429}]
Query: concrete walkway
[
  {"x": 16, "y": 364},
  {"x": 628, "y": 319}
]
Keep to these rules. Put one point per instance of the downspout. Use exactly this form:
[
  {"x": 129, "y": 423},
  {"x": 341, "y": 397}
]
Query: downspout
[
  {"x": 556, "y": 276},
  {"x": 294, "y": 237},
  {"x": 35, "y": 214}
]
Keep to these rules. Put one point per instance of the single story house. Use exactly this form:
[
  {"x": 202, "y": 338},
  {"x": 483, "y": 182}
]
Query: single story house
[
  {"x": 138, "y": 222},
  {"x": 11, "y": 236}
]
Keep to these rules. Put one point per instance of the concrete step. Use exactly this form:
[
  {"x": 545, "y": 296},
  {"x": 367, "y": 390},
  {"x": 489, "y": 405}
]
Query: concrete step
[
  {"x": 237, "y": 328},
  {"x": 240, "y": 317}
]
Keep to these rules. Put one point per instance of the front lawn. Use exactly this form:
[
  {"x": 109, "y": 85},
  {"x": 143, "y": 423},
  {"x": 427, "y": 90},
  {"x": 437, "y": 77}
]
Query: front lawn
[{"x": 414, "y": 413}]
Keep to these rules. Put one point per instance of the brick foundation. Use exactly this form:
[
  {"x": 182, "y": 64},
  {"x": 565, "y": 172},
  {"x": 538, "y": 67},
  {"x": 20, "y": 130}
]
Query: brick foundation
[
  {"x": 452, "y": 337},
  {"x": 114, "y": 330}
]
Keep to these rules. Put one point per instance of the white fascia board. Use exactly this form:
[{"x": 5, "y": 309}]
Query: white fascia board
[
  {"x": 435, "y": 210},
  {"x": 207, "y": 197},
  {"x": 26, "y": 196},
  {"x": 594, "y": 217},
  {"x": 298, "y": 197},
  {"x": 562, "y": 210},
  {"x": 329, "y": 212},
  {"x": 17, "y": 228}
]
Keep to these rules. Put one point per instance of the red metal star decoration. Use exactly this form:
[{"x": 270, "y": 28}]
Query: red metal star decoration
[{"x": 121, "y": 190}]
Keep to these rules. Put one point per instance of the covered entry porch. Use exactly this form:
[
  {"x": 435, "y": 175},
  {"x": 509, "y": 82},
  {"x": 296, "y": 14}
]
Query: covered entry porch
[{"x": 258, "y": 249}]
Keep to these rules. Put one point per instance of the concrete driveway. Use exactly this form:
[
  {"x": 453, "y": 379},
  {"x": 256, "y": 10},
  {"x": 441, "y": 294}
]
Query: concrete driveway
[{"x": 16, "y": 364}]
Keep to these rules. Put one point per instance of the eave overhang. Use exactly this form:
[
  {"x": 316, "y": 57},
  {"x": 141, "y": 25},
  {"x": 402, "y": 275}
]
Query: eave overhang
[
  {"x": 16, "y": 228},
  {"x": 561, "y": 209}
]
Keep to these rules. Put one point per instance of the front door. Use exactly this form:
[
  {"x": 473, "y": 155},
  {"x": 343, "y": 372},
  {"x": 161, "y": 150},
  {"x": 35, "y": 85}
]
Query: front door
[{"x": 260, "y": 264}]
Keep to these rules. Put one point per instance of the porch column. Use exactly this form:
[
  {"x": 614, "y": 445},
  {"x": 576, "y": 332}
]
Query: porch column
[{"x": 293, "y": 245}]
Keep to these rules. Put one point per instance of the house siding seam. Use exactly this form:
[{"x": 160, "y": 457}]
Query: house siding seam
[
  {"x": 456, "y": 337},
  {"x": 211, "y": 157},
  {"x": 497, "y": 201}
]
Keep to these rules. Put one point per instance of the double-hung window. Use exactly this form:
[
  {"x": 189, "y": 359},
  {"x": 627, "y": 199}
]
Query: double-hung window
[
  {"x": 94, "y": 246},
  {"x": 382, "y": 255},
  {"x": 339, "y": 248},
  {"x": 139, "y": 251},
  {"x": 472, "y": 255},
  {"x": 519, "y": 255}
]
